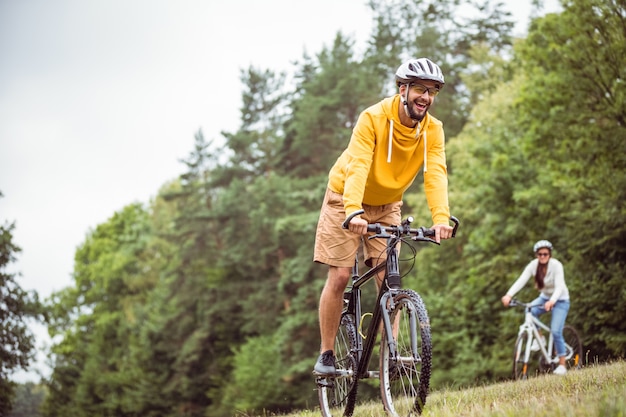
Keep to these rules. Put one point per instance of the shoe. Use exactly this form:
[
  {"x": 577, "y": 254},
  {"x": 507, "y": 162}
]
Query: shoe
[
  {"x": 325, "y": 364},
  {"x": 534, "y": 346},
  {"x": 560, "y": 370}
]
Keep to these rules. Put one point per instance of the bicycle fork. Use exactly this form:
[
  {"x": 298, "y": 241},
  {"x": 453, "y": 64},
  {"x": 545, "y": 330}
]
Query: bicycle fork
[
  {"x": 529, "y": 339},
  {"x": 387, "y": 304}
]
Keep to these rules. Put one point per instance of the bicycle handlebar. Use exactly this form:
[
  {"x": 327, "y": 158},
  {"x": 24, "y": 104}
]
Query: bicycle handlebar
[
  {"x": 517, "y": 303},
  {"x": 420, "y": 234}
]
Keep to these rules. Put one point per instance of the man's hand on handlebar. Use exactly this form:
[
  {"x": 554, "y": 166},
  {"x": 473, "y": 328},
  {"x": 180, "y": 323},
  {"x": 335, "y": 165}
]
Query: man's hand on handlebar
[
  {"x": 358, "y": 225},
  {"x": 442, "y": 231}
]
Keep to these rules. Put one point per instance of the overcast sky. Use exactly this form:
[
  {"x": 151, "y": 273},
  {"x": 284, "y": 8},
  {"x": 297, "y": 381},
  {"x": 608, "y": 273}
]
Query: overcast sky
[{"x": 99, "y": 100}]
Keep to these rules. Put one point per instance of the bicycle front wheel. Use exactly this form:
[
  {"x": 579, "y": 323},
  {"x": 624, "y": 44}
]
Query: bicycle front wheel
[
  {"x": 405, "y": 379},
  {"x": 337, "y": 395},
  {"x": 520, "y": 363}
]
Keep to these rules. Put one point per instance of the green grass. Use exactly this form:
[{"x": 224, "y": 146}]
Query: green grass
[{"x": 594, "y": 391}]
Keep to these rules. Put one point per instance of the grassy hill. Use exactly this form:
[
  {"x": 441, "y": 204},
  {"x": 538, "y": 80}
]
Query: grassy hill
[{"x": 594, "y": 391}]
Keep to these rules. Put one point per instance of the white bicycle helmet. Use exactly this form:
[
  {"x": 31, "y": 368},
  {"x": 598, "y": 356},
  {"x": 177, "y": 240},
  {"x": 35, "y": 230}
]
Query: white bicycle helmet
[
  {"x": 418, "y": 69},
  {"x": 542, "y": 244}
]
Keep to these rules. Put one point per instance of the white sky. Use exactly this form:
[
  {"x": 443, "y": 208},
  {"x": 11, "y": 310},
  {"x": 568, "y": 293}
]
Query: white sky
[{"x": 99, "y": 100}]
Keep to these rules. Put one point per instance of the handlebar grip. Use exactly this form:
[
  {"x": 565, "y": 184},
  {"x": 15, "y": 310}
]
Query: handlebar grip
[
  {"x": 428, "y": 232},
  {"x": 373, "y": 228},
  {"x": 456, "y": 225},
  {"x": 346, "y": 222},
  {"x": 431, "y": 232}
]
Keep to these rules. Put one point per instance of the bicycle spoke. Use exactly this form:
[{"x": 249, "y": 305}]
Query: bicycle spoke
[
  {"x": 520, "y": 365},
  {"x": 405, "y": 379},
  {"x": 339, "y": 392},
  {"x": 574, "y": 359}
]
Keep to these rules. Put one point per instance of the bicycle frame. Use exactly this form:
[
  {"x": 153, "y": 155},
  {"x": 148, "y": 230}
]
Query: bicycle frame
[
  {"x": 366, "y": 344},
  {"x": 532, "y": 325},
  {"x": 405, "y": 359}
]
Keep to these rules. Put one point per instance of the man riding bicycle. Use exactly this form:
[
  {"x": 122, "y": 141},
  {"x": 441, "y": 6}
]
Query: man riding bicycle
[{"x": 391, "y": 141}]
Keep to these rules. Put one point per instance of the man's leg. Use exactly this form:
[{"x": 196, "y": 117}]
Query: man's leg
[
  {"x": 331, "y": 304},
  {"x": 330, "y": 307}
]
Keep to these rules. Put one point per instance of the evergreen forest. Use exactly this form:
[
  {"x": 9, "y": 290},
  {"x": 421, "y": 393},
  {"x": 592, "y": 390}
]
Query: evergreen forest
[{"x": 203, "y": 301}]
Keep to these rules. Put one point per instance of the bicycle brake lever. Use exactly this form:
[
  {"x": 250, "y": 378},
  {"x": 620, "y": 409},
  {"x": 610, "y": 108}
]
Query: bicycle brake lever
[
  {"x": 379, "y": 235},
  {"x": 421, "y": 238}
]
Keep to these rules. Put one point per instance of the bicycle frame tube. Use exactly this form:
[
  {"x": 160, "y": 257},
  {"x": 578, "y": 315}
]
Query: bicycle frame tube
[
  {"x": 547, "y": 353},
  {"x": 393, "y": 269},
  {"x": 532, "y": 325},
  {"x": 365, "y": 349},
  {"x": 370, "y": 340},
  {"x": 393, "y": 280},
  {"x": 569, "y": 350}
]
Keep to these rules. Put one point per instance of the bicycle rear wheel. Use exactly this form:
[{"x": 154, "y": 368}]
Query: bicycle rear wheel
[
  {"x": 574, "y": 348},
  {"x": 520, "y": 365},
  {"x": 337, "y": 395},
  {"x": 404, "y": 381}
]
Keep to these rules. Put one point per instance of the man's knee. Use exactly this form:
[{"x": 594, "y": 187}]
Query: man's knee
[{"x": 338, "y": 278}]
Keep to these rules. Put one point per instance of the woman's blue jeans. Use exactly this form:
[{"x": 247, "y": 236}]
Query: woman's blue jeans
[{"x": 559, "y": 314}]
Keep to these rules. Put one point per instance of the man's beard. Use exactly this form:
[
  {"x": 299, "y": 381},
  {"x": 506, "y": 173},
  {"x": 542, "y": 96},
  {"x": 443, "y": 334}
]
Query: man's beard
[{"x": 413, "y": 115}]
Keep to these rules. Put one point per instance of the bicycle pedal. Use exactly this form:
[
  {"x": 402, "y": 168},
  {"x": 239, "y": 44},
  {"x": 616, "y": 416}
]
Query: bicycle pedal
[{"x": 325, "y": 382}]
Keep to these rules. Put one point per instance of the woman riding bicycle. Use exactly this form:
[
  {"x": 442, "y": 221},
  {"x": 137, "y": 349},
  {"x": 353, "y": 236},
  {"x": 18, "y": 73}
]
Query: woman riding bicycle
[{"x": 554, "y": 295}]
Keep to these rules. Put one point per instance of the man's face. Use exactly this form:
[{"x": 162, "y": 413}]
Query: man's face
[{"x": 420, "y": 96}]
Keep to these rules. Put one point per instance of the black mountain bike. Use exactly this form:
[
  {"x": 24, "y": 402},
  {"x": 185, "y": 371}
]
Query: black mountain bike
[{"x": 405, "y": 350}]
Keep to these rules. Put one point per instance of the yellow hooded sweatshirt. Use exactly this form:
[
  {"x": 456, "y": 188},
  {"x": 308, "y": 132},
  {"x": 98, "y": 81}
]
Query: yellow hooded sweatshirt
[{"x": 384, "y": 156}]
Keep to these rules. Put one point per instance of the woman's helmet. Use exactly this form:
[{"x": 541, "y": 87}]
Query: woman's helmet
[
  {"x": 542, "y": 244},
  {"x": 418, "y": 69}
]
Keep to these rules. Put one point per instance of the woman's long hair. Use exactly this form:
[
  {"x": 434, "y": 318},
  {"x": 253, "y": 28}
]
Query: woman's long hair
[{"x": 542, "y": 269}]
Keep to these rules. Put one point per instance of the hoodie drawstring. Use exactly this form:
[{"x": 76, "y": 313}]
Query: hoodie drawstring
[
  {"x": 425, "y": 153},
  {"x": 390, "y": 141}
]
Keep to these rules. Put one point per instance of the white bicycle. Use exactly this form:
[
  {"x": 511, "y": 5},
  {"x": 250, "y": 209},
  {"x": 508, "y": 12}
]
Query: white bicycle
[{"x": 546, "y": 352}]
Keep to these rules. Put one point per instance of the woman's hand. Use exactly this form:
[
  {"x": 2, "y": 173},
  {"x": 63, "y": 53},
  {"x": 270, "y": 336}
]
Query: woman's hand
[
  {"x": 506, "y": 300},
  {"x": 548, "y": 305}
]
